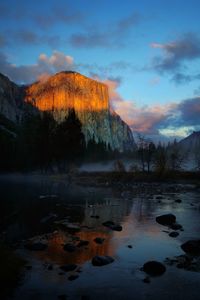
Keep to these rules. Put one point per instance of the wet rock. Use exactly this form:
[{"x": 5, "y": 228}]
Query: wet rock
[
  {"x": 95, "y": 217},
  {"x": 192, "y": 247},
  {"x": 112, "y": 226},
  {"x": 69, "y": 247},
  {"x": 68, "y": 267},
  {"x": 174, "y": 234},
  {"x": 108, "y": 223},
  {"x": 83, "y": 243},
  {"x": 130, "y": 246},
  {"x": 99, "y": 240},
  {"x": 178, "y": 200},
  {"x": 73, "y": 277},
  {"x": 176, "y": 226},
  {"x": 50, "y": 267},
  {"x": 154, "y": 268},
  {"x": 37, "y": 246},
  {"x": 102, "y": 260},
  {"x": 166, "y": 220}
]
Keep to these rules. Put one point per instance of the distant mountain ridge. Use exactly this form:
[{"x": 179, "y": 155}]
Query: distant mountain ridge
[
  {"x": 191, "y": 142},
  {"x": 63, "y": 91}
]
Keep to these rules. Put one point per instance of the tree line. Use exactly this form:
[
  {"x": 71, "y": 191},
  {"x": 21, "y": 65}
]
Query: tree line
[{"x": 40, "y": 142}]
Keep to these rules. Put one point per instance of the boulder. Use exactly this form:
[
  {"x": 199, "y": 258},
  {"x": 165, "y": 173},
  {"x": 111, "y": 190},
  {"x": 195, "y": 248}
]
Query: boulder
[
  {"x": 154, "y": 268},
  {"x": 174, "y": 234},
  {"x": 166, "y": 220},
  {"x": 102, "y": 260},
  {"x": 73, "y": 277},
  {"x": 176, "y": 226},
  {"x": 192, "y": 247},
  {"x": 112, "y": 225},
  {"x": 69, "y": 247},
  {"x": 68, "y": 267},
  {"x": 99, "y": 240},
  {"x": 83, "y": 243}
]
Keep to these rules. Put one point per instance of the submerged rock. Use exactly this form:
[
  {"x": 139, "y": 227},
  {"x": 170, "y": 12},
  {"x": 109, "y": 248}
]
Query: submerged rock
[
  {"x": 176, "y": 226},
  {"x": 154, "y": 268},
  {"x": 102, "y": 260},
  {"x": 166, "y": 220},
  {"x": 83, "y": 243},
  {"x": 112, "y": 225},
  {"x": 73, "y": 277},
  {"x": 178, "y": 200},
  {"x": 192, "y": 247},
  {"x": 69, "y": 247},
  {"x": 99, "y": 240},
  {"x": 69, "y": 267},
  {"x": 37, "y": 246},
  {"x": 174, "y": 234}
]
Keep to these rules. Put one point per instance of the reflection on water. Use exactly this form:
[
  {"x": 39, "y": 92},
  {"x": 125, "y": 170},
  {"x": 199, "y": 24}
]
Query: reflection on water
[{"x": 24, "y": 214}]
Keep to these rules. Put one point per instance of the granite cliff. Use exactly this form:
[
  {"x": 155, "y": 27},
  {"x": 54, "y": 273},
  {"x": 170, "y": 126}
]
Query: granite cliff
[
  {"x": 90, "y": 100},
  {"x": 63, "y": 91},
  {"x": 11, "y": 99}
]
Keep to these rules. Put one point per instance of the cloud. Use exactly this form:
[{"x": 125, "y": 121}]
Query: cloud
[
  {"x": 176, "y": 53},
  {"x": 158, "y": 121},
  {"x": 190, "y": 111},
  {"x": 55, "y": 13},
  {"x": 180, "y": 78},
  {"x": 109, "y": 36},
  {"x": 28, "y": 37},
  {"x": 45, "y": 65}
]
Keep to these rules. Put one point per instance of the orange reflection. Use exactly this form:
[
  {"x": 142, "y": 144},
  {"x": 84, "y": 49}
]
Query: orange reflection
[{"x": 56, "y": 254}]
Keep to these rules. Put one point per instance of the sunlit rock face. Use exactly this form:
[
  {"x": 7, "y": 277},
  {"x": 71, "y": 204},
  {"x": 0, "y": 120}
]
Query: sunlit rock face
[
  {"x": 90, "y": 100},
  {"x": 11, "y": 99}
]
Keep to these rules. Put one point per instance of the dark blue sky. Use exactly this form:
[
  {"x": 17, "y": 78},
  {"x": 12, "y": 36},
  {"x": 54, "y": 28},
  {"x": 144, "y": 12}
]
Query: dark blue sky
[{"x": 148, "y": 52}]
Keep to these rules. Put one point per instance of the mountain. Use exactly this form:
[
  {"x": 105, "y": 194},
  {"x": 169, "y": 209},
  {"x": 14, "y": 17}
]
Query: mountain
[
  {"x": 11, "y": 99},
  {"x": 191, "y": 143},
  {"x": 63, "y": 91}
]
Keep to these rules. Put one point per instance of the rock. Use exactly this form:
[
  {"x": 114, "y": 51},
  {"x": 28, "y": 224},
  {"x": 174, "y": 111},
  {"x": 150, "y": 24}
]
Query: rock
[
  {"x": 192, "y": 247},
  {"x": 154, "y": 268},
  {"x": 68, "y": 267},
  {"x": 173, "y": 234},
  {"x": 166, "y": 220},
  {"x": 28, "y": 267},
  {"x": 83, "y": 243},
  {"x": 176, "y": 226},
  {"x": 112, "y": 225},
  {"x": 102, "y": 260},
  {"x": 50, "y": 267},
  {"x": 99, "y": 240},
  {"x": 108, "y": 223},
  {"x": 37, "y": 246},
  {"x": 159, "y": 197},
  {"x": 130, "y": 246},
  {"x": 94, "y": 216},
  {"x": 73, "y": 277},
  {"x": 178, "y": 200},
  {"x": 69, "y": 247}
]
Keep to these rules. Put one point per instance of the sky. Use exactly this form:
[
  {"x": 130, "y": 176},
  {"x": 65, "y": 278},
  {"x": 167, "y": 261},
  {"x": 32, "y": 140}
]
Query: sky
[{"x": 147, "y": 52}]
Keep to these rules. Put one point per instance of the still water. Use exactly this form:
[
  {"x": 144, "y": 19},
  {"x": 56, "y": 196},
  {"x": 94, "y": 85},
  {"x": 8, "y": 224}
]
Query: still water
[{"x": 71, "y": 213}]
